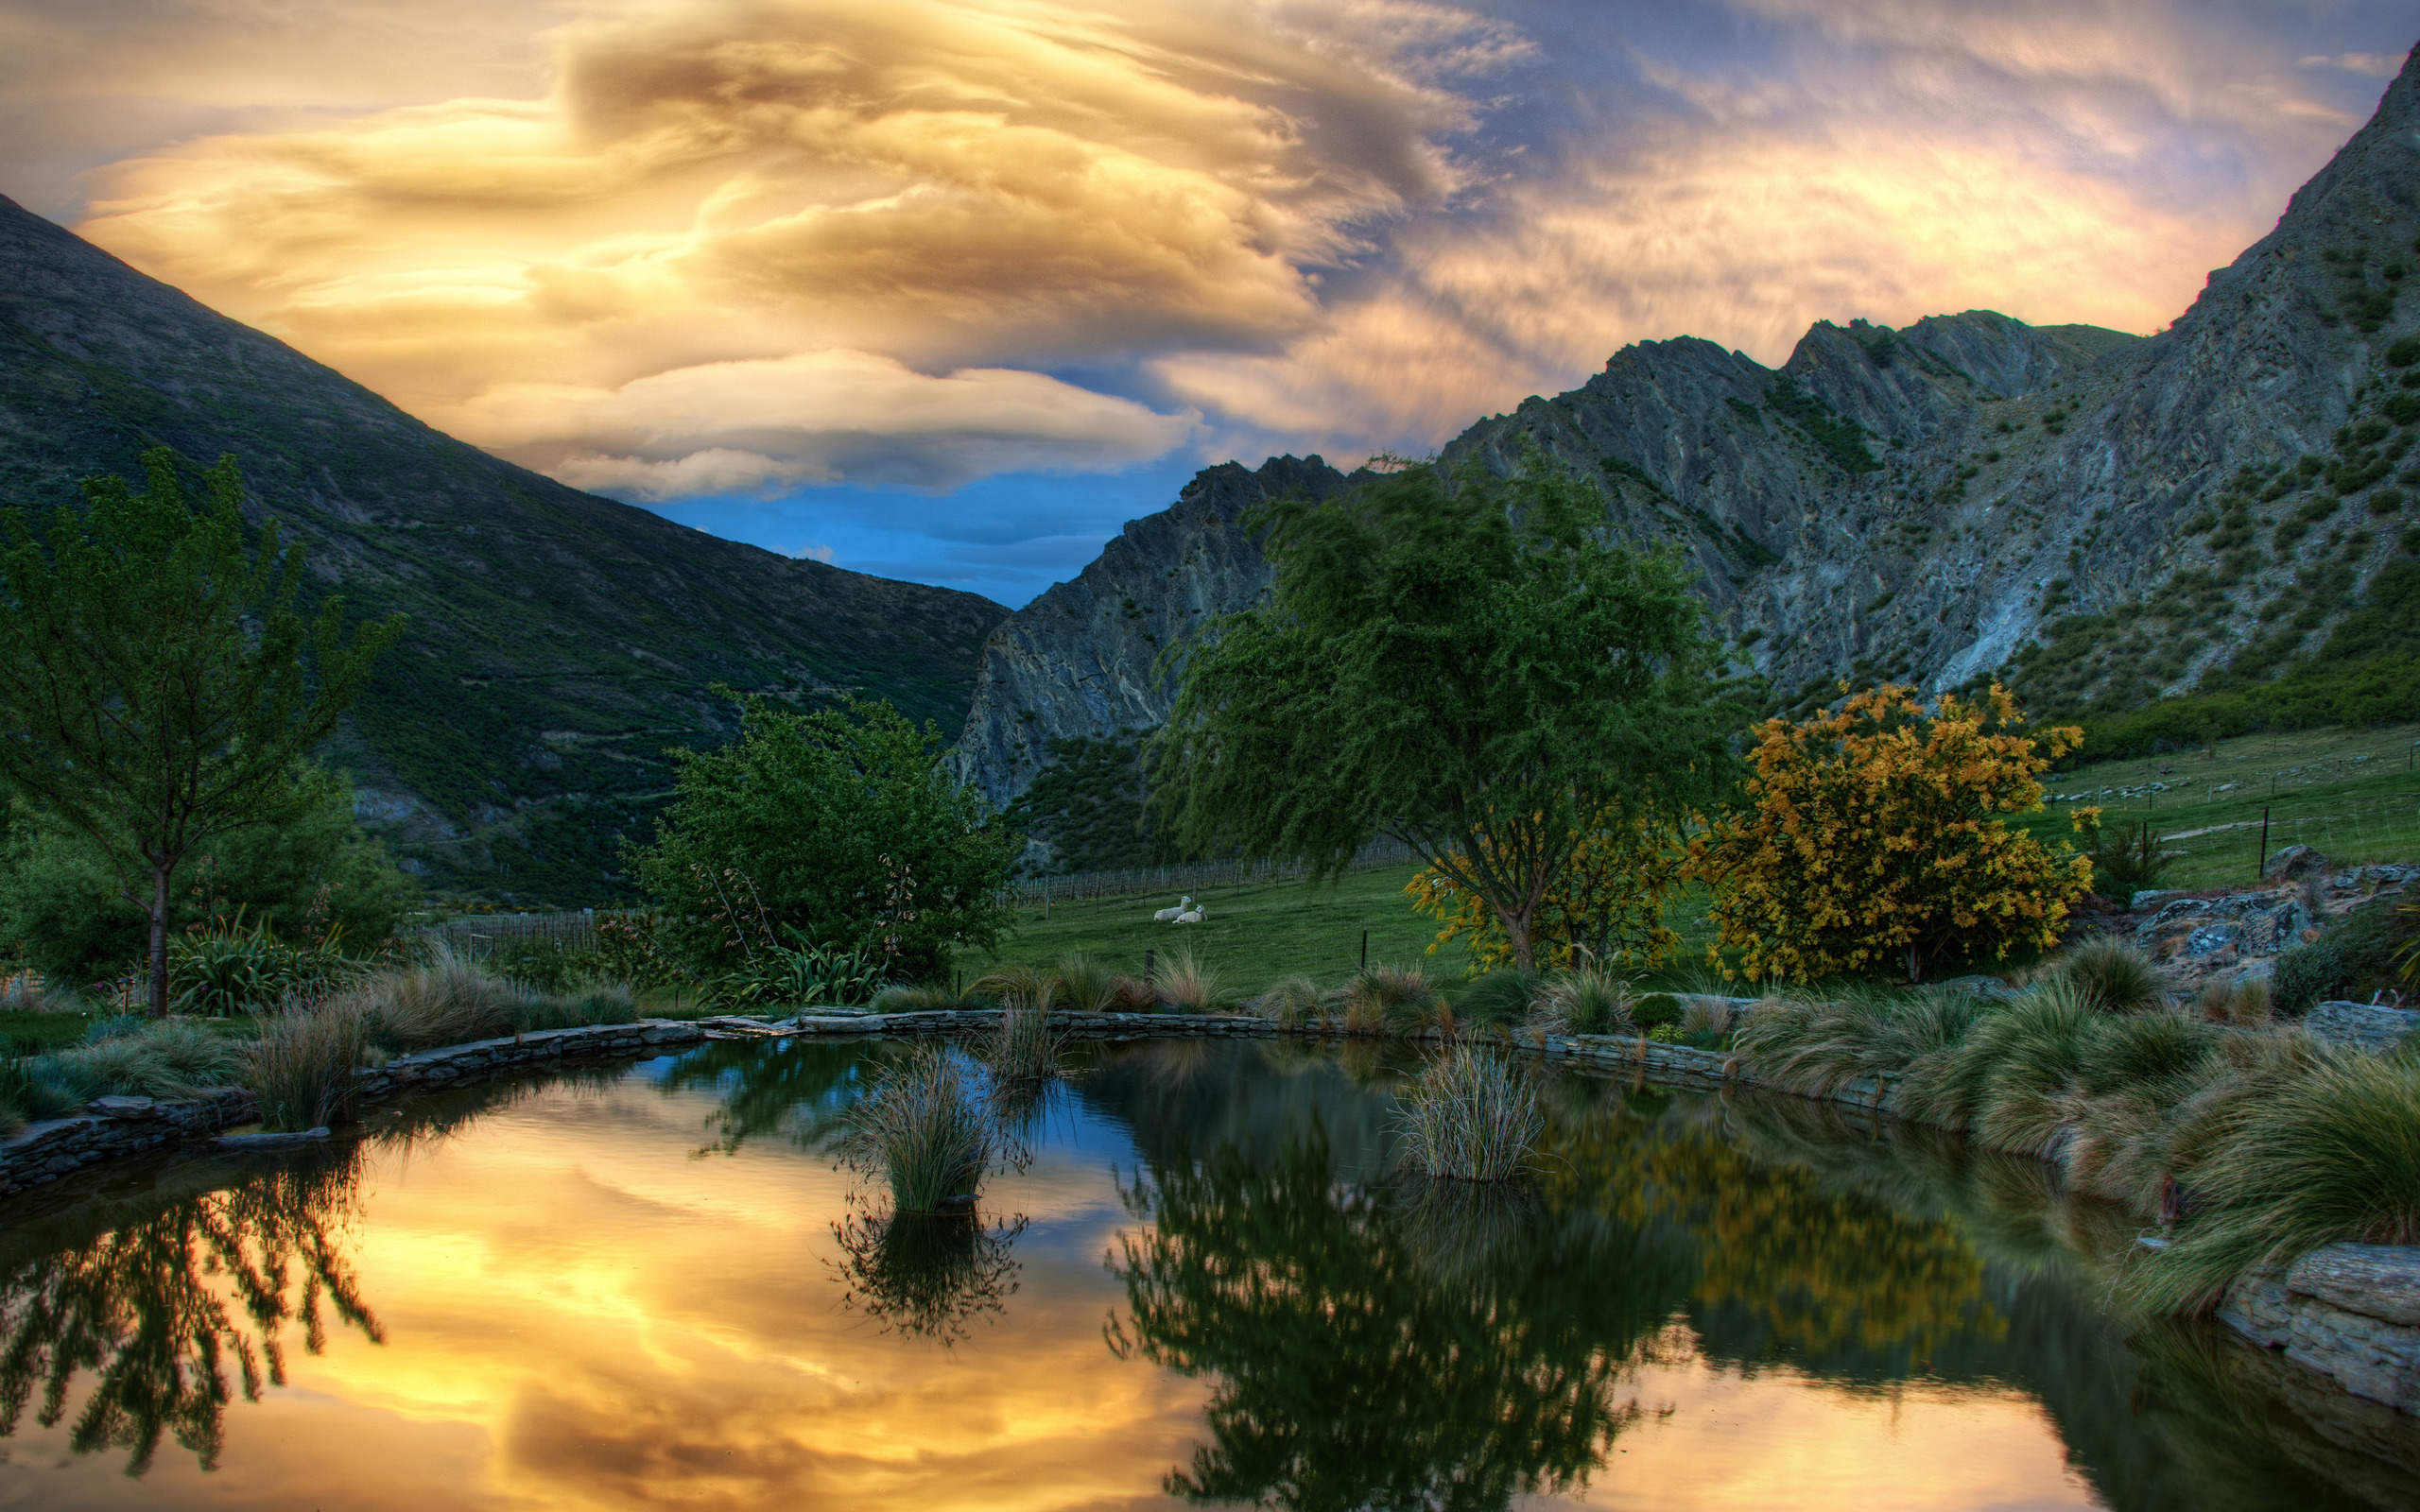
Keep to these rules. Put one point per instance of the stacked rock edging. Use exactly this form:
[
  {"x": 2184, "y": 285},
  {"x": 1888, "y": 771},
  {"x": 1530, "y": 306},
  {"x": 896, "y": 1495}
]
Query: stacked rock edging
[{"x": 2349, "y": 1311}]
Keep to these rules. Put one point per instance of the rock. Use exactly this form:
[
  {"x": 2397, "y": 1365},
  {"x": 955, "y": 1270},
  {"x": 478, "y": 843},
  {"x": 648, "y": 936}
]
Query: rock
[
  {"x": 2374, "y": 1281},
  {"x": 124, "y": 1108},
  {"x": 2155, "y": 898},
  {"x": 2292, "y": 863},
  {"x": 1990, "y": 989},
  {"x": 270, "y": 1142},
  {"x": 2361, "y": 1024}
]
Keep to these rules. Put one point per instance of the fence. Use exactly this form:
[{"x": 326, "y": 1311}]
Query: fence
[
  {"x": 570, "y": 930},
  {"x": 1191, "y": 877}
]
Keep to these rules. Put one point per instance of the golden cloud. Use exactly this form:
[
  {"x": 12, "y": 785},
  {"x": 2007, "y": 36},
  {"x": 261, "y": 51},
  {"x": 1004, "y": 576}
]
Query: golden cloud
[{"x": 804, "y": 192}]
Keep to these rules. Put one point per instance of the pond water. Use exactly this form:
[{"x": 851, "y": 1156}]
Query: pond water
[{"x": 1207, "y": 1286}]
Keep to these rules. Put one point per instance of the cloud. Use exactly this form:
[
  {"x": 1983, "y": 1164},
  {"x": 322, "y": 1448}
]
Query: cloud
[
  {"x": 2370, "y": 65},
  {"x": 963, "y": 188},
  {"x": 754, "y": 426}
]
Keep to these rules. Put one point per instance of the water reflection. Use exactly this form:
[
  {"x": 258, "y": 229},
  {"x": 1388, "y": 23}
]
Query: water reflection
[
  {"x": 1347, "y": 1375},
  {"x": 926, "y": 1275},
  {"x": 159, "y": 1307}
]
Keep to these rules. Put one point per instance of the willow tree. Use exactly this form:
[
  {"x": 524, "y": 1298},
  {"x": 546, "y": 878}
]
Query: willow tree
[
  {"x": 157, "y": 687},
  {"x": 1457, "y": 660}
]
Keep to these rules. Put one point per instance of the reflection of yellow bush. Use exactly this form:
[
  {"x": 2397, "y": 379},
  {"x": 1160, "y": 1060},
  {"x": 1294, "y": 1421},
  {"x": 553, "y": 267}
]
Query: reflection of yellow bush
[
  {"x": 1878, "y": 838},
  {"x": 1606, "y": 906},
  {"x": 1823, "y": 1270}
]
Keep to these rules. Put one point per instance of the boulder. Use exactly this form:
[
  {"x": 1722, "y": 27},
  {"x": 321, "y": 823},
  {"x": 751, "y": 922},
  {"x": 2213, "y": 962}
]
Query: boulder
[
  {"x": 2293, "y": 863},
  {"x": 2361, "y": 1024}
]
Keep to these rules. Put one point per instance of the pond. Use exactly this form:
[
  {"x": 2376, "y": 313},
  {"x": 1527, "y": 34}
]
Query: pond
[{"x": 1207, "y": 1286}]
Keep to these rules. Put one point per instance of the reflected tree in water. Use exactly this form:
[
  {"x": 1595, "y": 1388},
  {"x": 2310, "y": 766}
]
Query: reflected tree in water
[
  {"x": 1365, "y": 1357},
  {"x": 161, "y": 1309},
  {"x": 793, "y": 1087},
  {"x": 926, "y": 1275}
]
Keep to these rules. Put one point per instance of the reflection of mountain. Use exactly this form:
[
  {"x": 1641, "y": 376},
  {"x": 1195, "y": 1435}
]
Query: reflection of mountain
[
  {"x": 1355, "y": 1370},
  {"x": 157, "y": 1308}
]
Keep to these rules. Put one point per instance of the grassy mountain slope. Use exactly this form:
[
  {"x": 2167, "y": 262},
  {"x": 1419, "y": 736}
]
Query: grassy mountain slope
[{"x": 559, "y": 641}]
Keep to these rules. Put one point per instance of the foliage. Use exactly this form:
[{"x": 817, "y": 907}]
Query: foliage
[
  {"x": 840, "y": 825},
  {"x": 1184, "y": 984},
  {"x": 315, "y": 876},
  {"x": 1879, "y": 836},
  {"x": 1085, "y": 986},
  {"x": 925, "y": 1128},
  {"x": 2125, "y": 864},
  {"x": 448, "y": 999},
  {"x": 1838, "y": 436},
  {"x": 1588, "y": 999},
  {"x": 1606, "y": 903},
  {"x": 1088, "y": 803},
  {"x": 1393, "y": 999},
  {"x": 1293, "y": 1002},
  {"x": 926, "y": 1275},
  {"x": 1469, "y": 1116},
  {"x": 2116, "y": 977},
  {"x": 154, "y": 680},
  {"x": 302, "y": 1065},
  {"x": 2355, "y": 956},
  {"x": 148, "y": 1058},
  {"x": 1503, "y": 997},
  {"x": 228, "y": 968},
  {"x": 1454, "y": 661},
  {"x": 802, "y": 974}
]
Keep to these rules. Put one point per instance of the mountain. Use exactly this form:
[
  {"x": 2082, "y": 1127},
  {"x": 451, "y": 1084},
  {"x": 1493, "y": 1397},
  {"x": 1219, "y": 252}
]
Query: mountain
[
  {"x": 2102, "y": 518},
  {"x": 559, "y": 641}
]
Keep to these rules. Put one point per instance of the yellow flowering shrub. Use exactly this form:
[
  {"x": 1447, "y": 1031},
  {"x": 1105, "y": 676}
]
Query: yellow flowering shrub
[
  {"x": 1605, "y": 905},
  {"x": 1879, "y": 836}
]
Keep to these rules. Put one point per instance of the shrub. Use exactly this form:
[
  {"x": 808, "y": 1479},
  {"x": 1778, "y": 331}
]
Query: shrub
[
  {"x": 1707, "y": 1021},
  {"x": 801, "y": 974},
  {"x": 1879, "y": 835},
  {"x": 302, "y": 1065},
  {"x": 902, "y": 999},
  {"x": 1016, "y": 985},
  {"x": 1469, "y": 1117},
  {"x": 1587, "y": 1001},
  {"x": 2116, "y": 977},
  {"x": 1502, "y": 997},
  {"x": 1084, "y": 988},
  {"x": 1184, "y": 984},
  {"x": 1395, "y": 999},
  {"x": 2025, "y": 1056},
  {"x": 1657, "y": 1010},
  {"x": 1293, "y": 1001},
  {"x": 2244, "y": 1004},
  {"x": 25, "y": 1096},
  {"x": 2126, "y": 862},
  {"x": 447, "y": 1001},
  {"x": 171, "y": 1059},
  {"x": 226, "y": 968},
  {"x": 924, "y": 1127},
  {"x": 2325, "y": 1157}
]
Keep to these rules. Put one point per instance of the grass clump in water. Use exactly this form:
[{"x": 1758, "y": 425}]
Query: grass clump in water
[
  {"x": 927, "y": 1129},
  {"x": 1470, "y": 1117}
]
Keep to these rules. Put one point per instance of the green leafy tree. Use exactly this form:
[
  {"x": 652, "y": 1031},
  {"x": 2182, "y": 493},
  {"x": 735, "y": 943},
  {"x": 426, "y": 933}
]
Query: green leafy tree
[
  {"x": 154, "y": 693},
  {"x": 1455, "y": 660},
  {"x": 842, "y": 825},
  {"x": 60, "y": 904}
]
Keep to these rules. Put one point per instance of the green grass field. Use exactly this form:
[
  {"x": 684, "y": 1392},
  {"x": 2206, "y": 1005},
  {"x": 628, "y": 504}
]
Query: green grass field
[{"x": 2316, "y": 786}]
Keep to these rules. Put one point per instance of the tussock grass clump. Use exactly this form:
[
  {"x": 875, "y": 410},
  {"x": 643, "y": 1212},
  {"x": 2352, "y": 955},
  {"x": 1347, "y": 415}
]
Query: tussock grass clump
[
  {"x": 166, "y": 1059},
  {"x": 1023, "y": 1049},
  {"x": 1708, "y": 1019},
  {"x": 1394, "y": 999},
  {"x": 1015, "y": 983},
  {"x": 302, "y": 1066},
  {"x": 1085, "y": 986},
  {"x": 447, "y": 999},
  {"x": 2329, "y": 1155},
  {"x": 927, "y": 1129},
  {"x": 1501, "y": 999},
  {"x": 1184, "y": 984},
  {"x": 903, "y": 999},
  {"x": 1470, "y": 1117},
  {"x": 1588, "y": 1000},
  {"x": 2115, "y": 977},
  {"x": 1293, "y": 1001}
]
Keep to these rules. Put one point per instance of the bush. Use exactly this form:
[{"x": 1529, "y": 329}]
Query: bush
[
  {"x": 1184, "y": 984},
  {"x": 448, "y": 1000},
  {"x": 225, "y": 967},
  {"x": 2126, "y": 862},
  {"x": 2116, "y": 977},
  {"x": 1084, "y": 988},
  {"x": 924, "y": 1129},
  {"x": 1470, "y": 1117},
  {"x": 801, "y": 974},
  {"x": 1392, "y": 999},
  {"x": 1587, "y": 1001},
  {"x": 302, "y": 1065},
  {"x": 1293, "y": 1001},
  {"x": 1501, "y": 998},
  {"x": 2358, "y": 955},
  {"x": 1657, "y": 1010},
  {"x": 842, "y": 825},
  {"x": 171, "y": 1059}
]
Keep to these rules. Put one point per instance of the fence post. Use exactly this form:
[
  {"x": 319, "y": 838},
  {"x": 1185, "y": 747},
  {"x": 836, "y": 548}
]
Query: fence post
[
  {"x": 2260, "y": 867},
  {"x": 1365, "y": 949},
  {"x": 1147, "y": 967}
]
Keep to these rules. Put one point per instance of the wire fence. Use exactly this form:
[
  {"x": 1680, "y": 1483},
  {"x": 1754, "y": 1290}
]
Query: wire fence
[
  {"x": 569, "y": 930},
  {"x": 1189, "y": 877}
]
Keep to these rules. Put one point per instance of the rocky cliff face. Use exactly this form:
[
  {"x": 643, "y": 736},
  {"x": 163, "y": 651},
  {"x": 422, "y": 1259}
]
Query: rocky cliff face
[
  {"x": 1085, "y": 658},
  {"x": 2108, "y": 516}
]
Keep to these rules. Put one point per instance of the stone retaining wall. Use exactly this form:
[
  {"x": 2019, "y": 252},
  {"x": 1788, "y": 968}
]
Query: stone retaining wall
[{"x": 2349, "y": 1311}]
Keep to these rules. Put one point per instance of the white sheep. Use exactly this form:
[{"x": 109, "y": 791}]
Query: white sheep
[
  {"x": 1194, "y": 915},
  {"x": 1169, "y": 915}
]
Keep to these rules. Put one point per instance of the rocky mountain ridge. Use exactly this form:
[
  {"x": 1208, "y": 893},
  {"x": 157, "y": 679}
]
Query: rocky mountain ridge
[
  {"x": 2097, "y": 516},
  {"x": 559, "y": 641}
]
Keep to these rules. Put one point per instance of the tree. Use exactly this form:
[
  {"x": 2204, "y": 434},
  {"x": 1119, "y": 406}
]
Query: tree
[
  {"x": 60, "y": 901},
  {"x": 1606, "y": 906},
  {"x": 1878, "y": 834},
  {"x": 1456, "y": 661},
  {"x": 153, "y": 691},
  {"x": 840, "y": 824}
]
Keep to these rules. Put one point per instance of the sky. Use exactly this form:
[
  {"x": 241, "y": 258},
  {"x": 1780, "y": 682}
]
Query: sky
[{"x": 949, "y": 291}]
